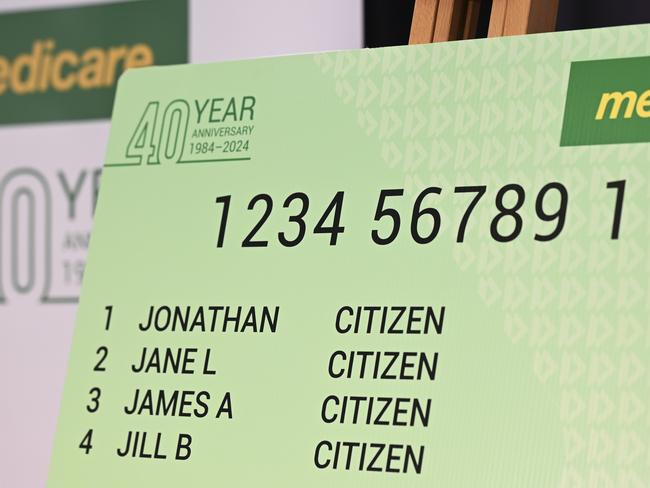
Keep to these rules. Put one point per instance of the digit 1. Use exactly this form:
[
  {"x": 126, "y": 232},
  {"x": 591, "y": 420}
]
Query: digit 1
[
  {"x": 224, "y": 218},
  {"x": 619, "y": 186},
  {"x": 109, "y": 313}
]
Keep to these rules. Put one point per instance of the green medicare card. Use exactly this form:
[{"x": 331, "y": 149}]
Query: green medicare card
[{"x": 417, "y": 266}]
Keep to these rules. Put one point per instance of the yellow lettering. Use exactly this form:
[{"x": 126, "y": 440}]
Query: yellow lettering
[
  {"x": 4, "y": 74},
  {"x": 643, "y": 105},
  {"x": 115, "y": 54},
  {"x": 27, "y": 63},
  {"x": 91, "y": 73},
  {"x": 43, "y": 68},
  {"x": 59, "y": 82},
  {"x": 618, "y": 98},
  {"x": 44, "y": 71},
  {"x": 139, "y": 55}
]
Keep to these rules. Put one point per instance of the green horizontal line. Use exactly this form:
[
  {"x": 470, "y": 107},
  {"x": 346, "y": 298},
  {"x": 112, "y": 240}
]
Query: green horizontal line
[
  {"x": 122, "y": 164},
  {"x": 213, "y": 160},
  {"x": 222, "y": 160},
  {"x": 60, "y": 300}
]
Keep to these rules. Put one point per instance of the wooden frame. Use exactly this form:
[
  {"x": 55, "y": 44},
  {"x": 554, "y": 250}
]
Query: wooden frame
[
  {"x": 448, "y": 20},
  {"x": 517, "y": 17}
]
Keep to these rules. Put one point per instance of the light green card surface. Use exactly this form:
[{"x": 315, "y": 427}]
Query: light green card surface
[{"x": 371, "y": 268}]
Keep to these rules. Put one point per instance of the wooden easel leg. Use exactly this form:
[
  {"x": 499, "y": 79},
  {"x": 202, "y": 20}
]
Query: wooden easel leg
[
  {"x": 424, "y": 21},
  {"x": 497, "y": 18},
  {"x": 450, "y": 20},
  {"x": 471, "y": 19},
  {"x": 543, "y": 16},
  {"x": 517, "y": 17},
  {"x": 447, "y": 20}
]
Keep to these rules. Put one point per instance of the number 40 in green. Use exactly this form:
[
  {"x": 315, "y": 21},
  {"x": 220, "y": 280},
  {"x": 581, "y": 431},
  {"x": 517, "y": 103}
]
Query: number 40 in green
[{"x": 155, "y": 141}]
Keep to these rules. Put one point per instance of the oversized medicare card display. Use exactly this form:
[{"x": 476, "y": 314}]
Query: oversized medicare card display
[{"x": 415, "y": 266}]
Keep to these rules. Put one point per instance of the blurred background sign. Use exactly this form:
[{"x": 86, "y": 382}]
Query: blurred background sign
[{"x": 59, "y": 66}]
